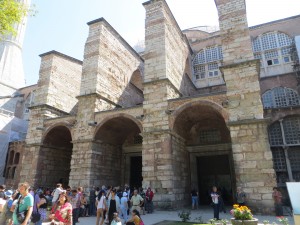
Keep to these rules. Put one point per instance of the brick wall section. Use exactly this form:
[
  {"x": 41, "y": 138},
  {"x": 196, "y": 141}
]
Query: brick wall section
[
  {"x": 59, "y": 81},
  {"x": 108, "y": 65}
]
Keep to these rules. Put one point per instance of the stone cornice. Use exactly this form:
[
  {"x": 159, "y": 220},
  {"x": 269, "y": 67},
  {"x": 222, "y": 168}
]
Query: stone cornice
[
  {"x": 243, "y": 63},
  {"x": 162, "y": 81},
  {"x": 249, "y": 121},
  {"x": 48, "y": 107},
  {"x": 97, "y": 96},
  {"x": 99, "y": 20},
  {"x": 62, "y": 55}
]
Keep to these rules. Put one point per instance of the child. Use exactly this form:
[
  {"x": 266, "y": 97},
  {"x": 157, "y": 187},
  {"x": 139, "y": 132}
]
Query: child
[{"x": 116, "y": 220}]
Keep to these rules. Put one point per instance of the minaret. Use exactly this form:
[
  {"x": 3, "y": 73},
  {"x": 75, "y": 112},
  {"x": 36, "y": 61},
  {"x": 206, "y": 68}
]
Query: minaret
[{"x": 11, "y": 63}]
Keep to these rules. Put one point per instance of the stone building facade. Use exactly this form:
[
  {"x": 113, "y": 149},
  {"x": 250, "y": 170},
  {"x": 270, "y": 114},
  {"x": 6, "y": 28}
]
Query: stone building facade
[{"x": 187, "y": 112}]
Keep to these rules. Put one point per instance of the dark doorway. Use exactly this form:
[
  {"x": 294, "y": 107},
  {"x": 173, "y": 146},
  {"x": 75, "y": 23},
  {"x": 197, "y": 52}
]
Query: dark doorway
[
  {"x": 136, "y": 166},
  {"x": 214, "y": 171}
]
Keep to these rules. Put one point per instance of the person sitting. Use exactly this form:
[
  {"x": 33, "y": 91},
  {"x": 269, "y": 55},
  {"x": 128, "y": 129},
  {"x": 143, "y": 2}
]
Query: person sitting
[{"x": 135, "y": 219}]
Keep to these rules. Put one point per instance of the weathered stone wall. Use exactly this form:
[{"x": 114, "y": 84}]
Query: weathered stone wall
[
  {"x": 109, "y": 63},
  {"x": 247, "y": 127},
  {"x": 253, "y": 163},
  {"x": 59, "y": 81}
]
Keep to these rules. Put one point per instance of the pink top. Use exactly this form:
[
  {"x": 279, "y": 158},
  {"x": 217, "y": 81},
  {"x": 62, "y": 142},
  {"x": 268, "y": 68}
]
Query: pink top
[{"x": 63, "y": 213}]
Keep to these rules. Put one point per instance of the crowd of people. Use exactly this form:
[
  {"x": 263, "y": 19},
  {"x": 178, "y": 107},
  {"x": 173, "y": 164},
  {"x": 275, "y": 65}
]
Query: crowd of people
[{"x": 111, "y": 205}]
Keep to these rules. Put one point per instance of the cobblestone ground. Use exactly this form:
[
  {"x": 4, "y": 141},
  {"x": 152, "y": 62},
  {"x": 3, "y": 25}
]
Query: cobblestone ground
[{"x": 205, "y": 213}]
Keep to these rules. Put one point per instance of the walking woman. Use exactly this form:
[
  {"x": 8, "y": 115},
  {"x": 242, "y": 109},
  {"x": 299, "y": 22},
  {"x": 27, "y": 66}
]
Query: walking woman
[
  {"x": 62, "y": 210},
  {"x": 114, "y": 205},
  {"x": 215, "y": 201},
  {"x": 101, "y": 207}
]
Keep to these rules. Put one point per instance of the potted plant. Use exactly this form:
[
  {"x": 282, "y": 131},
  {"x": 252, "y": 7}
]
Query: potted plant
[{"x": 242, "y": 216}]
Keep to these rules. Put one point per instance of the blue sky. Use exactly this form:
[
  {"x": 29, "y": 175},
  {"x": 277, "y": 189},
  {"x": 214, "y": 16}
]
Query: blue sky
[{"x": 61, "y": 24}]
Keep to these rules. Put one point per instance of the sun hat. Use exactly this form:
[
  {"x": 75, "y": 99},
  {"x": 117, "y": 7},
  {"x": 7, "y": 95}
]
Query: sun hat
[
  {"x": 9, "y": 193},
  {"x": 124, "y": 194}
]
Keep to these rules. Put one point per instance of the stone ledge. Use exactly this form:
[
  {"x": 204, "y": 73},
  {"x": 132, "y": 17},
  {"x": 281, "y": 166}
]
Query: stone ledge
[
  {"x": 62, "y": 55},
  {"x": 248, "y": 121},
  {"x": 247, "y": 62},
  {"x": 48, "y": 107}
]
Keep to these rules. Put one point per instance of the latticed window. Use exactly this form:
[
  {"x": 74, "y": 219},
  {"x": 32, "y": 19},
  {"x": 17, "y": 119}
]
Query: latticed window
[
  {"x": 203, "y": 62},
  {"x": 138, "y": 139},
  {"x": 280, "y": 97},
  {"x": 256, "y": 45},
  {"x": 210, "y": 136},
  {"x": 294, "y": 156},
  {"x": 275, "y": 134},
  {"x": 279, "y": 159},
  {"x": 291, "y": 128},
  {"x": 199, "y": 71},
  {"x": 284, "y": 40},
  {"x": 273, "y": 47},
  {"x": 257, "y": 56},
  {"x": 200, "y": 58}
]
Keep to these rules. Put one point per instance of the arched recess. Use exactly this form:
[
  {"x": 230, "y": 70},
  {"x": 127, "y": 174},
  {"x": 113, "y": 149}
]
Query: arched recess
[
  {"x": 55, "y": 156},
  {"x": 17, "y": 158},
  {"x": 207, "y": 140},
  {"x": 118, "y": 147},
  {"x": 11, "y": 157}
]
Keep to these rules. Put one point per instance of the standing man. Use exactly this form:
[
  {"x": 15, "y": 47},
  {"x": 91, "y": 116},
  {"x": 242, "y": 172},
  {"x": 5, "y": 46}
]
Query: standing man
[
  {"x": 277, "y": 196},
  {"x": 74, "y": 202},
  {"x": 56, "y": 193},
  {"x": 24, "y": 203},
  {"x": 136, "y": 201},
  {"x": 240, "y": 197}
]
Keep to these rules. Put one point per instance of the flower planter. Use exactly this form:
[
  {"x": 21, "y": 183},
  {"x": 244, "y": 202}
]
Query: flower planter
[{"x": 254, "y": 221}]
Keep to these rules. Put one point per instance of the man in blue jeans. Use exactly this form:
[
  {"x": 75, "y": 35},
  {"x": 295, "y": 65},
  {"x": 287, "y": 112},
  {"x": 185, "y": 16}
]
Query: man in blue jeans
[{"x": 194, "y": 195}]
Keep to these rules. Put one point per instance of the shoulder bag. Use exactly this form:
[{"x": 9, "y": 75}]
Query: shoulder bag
[
  {"x": 36, "y": 216},
  {"x": 21, "y": 215}
]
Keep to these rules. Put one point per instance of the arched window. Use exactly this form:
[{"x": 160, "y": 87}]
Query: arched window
[
  {"x": 272, "y": 48},
  {"x": 280, "y": 97},
  {"x": 13, "y": 172},
  {"x": 11, "y": 157},
  {"x": 206, "y": 63},
  {"x": 17, "y": 158},
  {"x": 7, "y": 173}
]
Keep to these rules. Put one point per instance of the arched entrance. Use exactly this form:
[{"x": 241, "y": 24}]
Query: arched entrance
[
  {"x": 118, "y": 143},
  {"x": 208, "y": 142},
  {"x": 55, "y": 157}
]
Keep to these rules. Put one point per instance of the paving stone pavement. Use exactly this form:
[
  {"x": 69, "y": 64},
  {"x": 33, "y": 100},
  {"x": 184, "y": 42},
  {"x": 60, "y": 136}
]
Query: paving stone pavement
[{"x": 205, "y": 213}]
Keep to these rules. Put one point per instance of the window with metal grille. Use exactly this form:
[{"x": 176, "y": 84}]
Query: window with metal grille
[
  {"x": 271, "y": 54},
  {"x": 285, "y": 51},
  {"x": 210, "y": 136},
  {"x": 294, "y": 156},
  {"x": 200, "y": 58},
  {"x": 291, "y": 128},
  {"x": 199, "y": 71},
  {"x": 269, "y": 41},
  {"x": 256, "y": 45},
  {"x": 138, "y": 139},
  {"x": 284, "y": 39},
  {"x": 279, "y": 160},
  {"x": 275, "y": 134},
  {"x": 257, "y": 56},
  {"x": 220, "y": 52},
  {"x": 280, "y": 97}
]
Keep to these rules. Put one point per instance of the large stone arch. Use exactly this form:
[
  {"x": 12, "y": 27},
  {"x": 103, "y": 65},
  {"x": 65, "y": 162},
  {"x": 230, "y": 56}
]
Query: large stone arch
[
  {"x": 54, "y": 159},
  {"x": 206, "y": 137},
  {"x": 65, "y": 124},
  {"x": 115, "y": 141}
]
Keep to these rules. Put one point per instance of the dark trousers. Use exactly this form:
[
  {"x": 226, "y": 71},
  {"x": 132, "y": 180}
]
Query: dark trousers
[
  {"x": 278, "y": 209},
  {"x": 75, "y": 213},
  {"x": 92, "y": 208},
  {"x": 216, "y": 208}
]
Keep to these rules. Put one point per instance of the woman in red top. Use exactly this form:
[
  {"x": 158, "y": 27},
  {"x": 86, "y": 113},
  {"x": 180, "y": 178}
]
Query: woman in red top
[
  {"x": 149, "y": 198},
  {"x": 62, "y": 211}
]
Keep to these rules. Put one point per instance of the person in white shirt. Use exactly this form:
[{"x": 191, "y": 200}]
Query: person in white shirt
[
  {"x": 215, "y": 201},
  {"x": 56, "y": 193},
  {"x": 116, "y": 220},
  {"x": 101, "y": 207}
]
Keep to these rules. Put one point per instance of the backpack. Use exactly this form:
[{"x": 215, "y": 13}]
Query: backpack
[{"x": 9, "y": 204}]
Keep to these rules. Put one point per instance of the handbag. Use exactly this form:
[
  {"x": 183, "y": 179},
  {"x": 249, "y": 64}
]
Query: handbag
[
  {"x": 21, "y": 215},
  {"x": 36, "y": 216}
]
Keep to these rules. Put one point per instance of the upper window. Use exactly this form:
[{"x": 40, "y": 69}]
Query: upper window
[
  {"x": 280, "y": 97},
  {"x": 206, "y": 62},
  {"x": 272, "y": 48}
]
